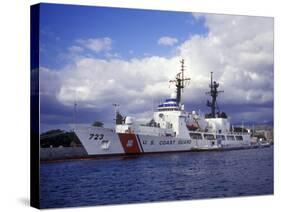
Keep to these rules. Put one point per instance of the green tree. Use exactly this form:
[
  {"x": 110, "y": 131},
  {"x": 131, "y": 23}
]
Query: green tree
[
  {"x": 97, "y": 124},
  {"x": 56, "y": 138}
]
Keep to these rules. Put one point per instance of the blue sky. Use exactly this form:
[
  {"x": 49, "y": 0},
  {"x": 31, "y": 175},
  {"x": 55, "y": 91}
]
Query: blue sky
[
  {"x": 100, "y": 55},
  {"x": 134, "y": 33}
]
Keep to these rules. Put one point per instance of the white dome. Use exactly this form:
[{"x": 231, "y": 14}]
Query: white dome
[
  {"x": 173, "y": 95},
  {"x": 129, "y": 120}
]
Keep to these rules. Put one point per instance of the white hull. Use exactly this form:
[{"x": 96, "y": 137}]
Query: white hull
[
  {"x": 171, "y": 129},
  {"x": 103, "y": 141}
]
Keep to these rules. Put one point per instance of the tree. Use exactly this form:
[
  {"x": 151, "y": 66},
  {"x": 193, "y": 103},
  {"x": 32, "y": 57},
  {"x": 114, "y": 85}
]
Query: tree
[
  {"x": 56, "y": 138},
  {"x": 97, "y": 124}
]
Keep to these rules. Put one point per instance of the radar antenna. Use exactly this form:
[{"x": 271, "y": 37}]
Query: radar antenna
[
  {"x": 214, "y": 94},
  {"x": 119, "y": 119},
  {"x": 180, "y": 81}
]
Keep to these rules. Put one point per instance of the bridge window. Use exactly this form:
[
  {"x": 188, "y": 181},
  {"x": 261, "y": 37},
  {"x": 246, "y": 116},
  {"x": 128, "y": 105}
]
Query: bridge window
[
  {"x": 209, "y": 136},
  {"x": 230, "y": 138},
  {"x": 220, "y": 137},
  {"x": 239, "y": 138},
  {"x": 195, "y": 136}
]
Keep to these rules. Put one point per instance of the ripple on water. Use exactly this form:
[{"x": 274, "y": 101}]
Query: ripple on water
[{"x": 161, "y": 177}]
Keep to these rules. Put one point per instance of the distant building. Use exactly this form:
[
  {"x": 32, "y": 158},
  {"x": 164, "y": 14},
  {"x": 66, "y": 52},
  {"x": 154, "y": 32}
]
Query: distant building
[{"x": 266, "y": 134}]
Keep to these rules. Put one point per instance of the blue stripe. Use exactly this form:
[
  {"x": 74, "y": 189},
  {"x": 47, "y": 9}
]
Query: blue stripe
[
  {"x": 139, "y": 141},
  {"x": 168, "y": 105},
  {"x": 171, "y": 100}
]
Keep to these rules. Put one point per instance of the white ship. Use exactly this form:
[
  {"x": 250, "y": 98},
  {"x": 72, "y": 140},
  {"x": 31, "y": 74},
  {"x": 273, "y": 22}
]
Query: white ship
[{"x": 171, "y": 129}]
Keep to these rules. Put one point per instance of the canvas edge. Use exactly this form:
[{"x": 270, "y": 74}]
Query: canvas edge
[{"x": 34, "y": 107}]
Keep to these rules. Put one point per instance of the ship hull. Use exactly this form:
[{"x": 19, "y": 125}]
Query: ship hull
[{"x": 103, "y": 141}]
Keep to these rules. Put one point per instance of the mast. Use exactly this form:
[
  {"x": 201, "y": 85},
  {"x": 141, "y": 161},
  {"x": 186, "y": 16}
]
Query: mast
[
  {"x": 74, "y": 112},
  {"x": 119, "y": 119},
  {"x": 74, "y": 115},
  {"x": 180, "y": 81},
  {"x": 214, "y": 94}
]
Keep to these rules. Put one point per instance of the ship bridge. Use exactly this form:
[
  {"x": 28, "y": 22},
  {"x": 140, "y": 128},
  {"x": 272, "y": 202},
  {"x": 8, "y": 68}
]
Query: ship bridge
[
  {"x": 169, "y": 105},
  {"x": 174, "y": 103}
]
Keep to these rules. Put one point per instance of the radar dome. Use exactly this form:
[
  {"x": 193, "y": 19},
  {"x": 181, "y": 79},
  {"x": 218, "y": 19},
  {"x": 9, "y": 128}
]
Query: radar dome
[
  {"x": 174, "y": 95},
  {"x": 129, "y": 120}
]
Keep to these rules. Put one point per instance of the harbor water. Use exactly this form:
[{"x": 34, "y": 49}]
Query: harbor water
[{"x": 156, "y": 177}]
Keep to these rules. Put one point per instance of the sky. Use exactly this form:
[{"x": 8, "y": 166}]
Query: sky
[{"x": 97, "y": 56}]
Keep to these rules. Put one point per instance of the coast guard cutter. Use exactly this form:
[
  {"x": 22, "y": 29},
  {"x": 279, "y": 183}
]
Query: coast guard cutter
[{"x": 171, "y": 129}]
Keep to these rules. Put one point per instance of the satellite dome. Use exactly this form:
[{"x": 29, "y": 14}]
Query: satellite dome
[
  {"x": 173, "y": 95},
  {"x": 129, "y": 120}
]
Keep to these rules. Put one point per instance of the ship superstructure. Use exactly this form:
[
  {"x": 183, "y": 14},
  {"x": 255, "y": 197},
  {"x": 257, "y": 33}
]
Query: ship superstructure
[{"x": 170, "y": 129}]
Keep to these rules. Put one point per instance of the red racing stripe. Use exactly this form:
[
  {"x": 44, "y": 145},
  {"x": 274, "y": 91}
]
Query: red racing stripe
[{"x": 129, "y": 143}]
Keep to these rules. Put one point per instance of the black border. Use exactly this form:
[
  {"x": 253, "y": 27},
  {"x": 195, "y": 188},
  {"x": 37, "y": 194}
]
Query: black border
[{"x": 34, "y": 107}]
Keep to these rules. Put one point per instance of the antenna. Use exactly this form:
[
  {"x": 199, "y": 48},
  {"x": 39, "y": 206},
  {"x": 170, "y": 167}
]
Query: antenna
[
  {"x": 115, "y": 105},
  {"x": 242, "y": 127},
  {"x": 152, "y": 105},
  {"x": 214, "y": 94},
  {"x": 180, "y": 81},
  {"x": 74, "y": 112}
]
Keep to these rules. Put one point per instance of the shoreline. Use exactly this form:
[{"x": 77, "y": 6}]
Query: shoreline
[{"x": 63, "y": 154}]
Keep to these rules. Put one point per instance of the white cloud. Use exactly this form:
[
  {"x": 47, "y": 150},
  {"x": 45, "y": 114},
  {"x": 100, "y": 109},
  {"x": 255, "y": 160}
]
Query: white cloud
[
  {"x": 97, "y": 44},
  {"x": 50, "y": 81},
  {"x": 112, "y": 55},
  {"x": 130, "y": 83},
  {"x": 75, "y": 49},
  {"x": 167, "y": 41},
  {"x": 238, "y": 49}
]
